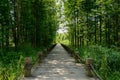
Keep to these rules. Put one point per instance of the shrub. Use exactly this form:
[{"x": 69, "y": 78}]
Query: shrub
[
  {"x": 12, "y": 63},
  {"x": 106, "y": 60}
]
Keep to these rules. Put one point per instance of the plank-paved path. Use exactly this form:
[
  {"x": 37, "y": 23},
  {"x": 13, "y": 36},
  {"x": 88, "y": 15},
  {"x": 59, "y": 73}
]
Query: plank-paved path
[{"x": 58, "y": 65}]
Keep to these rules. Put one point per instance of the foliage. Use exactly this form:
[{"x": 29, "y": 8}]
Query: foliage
[
  {"x": 96, "y": 22},
  {"x": 106, "y": 61},
  {"x": 29, "y": 21},
  {"x": 25, "y": 25},
  {"x": 93, "y": 22},
  {"x": 62, "y": 38},
  {"x": 9, "y": 70},
  {"x": 11, "y": 65}
]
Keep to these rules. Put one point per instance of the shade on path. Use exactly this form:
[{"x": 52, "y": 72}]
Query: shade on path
[{"x": 58, "y": 65}]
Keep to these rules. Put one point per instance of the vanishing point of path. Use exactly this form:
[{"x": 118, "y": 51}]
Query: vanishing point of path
[{"x": 58, "y": 65}]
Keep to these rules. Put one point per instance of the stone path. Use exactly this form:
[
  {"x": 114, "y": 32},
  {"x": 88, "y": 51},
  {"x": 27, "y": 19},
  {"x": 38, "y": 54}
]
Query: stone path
[{"x": 58, "y": 65}]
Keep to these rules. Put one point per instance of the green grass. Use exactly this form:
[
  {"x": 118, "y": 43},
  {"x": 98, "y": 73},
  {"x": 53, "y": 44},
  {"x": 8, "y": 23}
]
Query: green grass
[
  {"x": 106, "y": 61},
  {"x": 11, "y": 66},
  {"x": 12, "y": 63}
]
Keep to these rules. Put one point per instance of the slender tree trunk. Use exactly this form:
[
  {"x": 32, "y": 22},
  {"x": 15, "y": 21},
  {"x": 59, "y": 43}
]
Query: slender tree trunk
[
  {"x": 35, "y": 22},
  {"x": 87, "y": 28},
  {"x": 14, "y": 31},
  {"x": 116, "y": 29},
  {"x": 100, "y": 29},
  {"x": 77, "y": 30},
  {"x": 18, "y": 23},
  {"x": 109, "y": 26},
  {"x": 2, "y": 42},
  {"x": 106, "y": 30},
  {"x": 95, "y": 30},
  {"x": 7, "y": 39}
]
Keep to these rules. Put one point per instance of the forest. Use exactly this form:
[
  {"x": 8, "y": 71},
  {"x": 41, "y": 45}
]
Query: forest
[
  {"x": 94, "y": 30},
  {"x": 26, "y": 26},
  {"x": 29, "y": 26}
]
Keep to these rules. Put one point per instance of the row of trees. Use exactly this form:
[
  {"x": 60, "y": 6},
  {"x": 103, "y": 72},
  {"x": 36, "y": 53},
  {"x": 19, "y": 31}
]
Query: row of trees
[
  {"x": 27, "y": 21},
  {"x": 93, "y": 22}
]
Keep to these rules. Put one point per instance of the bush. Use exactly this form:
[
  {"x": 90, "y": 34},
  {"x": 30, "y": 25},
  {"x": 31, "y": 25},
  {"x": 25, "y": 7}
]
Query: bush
[
  {"x": 12, "y": 63},
  {"x": 106, "y": 61}
]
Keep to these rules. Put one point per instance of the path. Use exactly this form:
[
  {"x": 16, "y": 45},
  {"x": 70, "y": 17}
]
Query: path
[{"x": 58, "y": 65}]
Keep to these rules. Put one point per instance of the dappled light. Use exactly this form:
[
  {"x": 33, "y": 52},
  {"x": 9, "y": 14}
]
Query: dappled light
[
  {"x": 58, "y": 65},
  {"x": 87, "y": 33}
]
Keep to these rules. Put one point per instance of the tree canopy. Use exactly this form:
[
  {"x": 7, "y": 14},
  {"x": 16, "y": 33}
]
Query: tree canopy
[
  {"x": 27, "y": 21},
  {"x": 93, "y": 22},
  {"x": 92, "y": 28}
]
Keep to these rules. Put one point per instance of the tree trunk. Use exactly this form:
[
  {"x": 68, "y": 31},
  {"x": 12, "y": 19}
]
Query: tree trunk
[
  {"x": 95, "y": 30},
  {"x": 116, "y": 29},
  {"x": 18, "y": 23},
  {"x": 100, "y": 28}
]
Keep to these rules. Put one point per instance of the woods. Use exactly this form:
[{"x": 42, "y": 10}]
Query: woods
[
  {"x": 93, "y": 22},
  {"x": 24, "y": 21},
  {"x": 94, "y": 31},
  {"x": 26, "y": 26},
  {"x": 91, "y": 27}
]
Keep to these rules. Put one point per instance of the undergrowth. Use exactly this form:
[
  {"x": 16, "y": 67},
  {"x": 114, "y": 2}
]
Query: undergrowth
[
  {"x": 12, "y": 63},
  {"x": 106, "y": 61}
]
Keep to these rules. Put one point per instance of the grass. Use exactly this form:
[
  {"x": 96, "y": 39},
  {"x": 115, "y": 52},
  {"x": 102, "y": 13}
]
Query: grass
[
  {"x": 106, "y": 60},
  {"x": 11, "y": 67},
  {"x": 12, "y": 63}
]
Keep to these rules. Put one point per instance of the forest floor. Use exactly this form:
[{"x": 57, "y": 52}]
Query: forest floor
[{"x": 58, "y": 65}]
